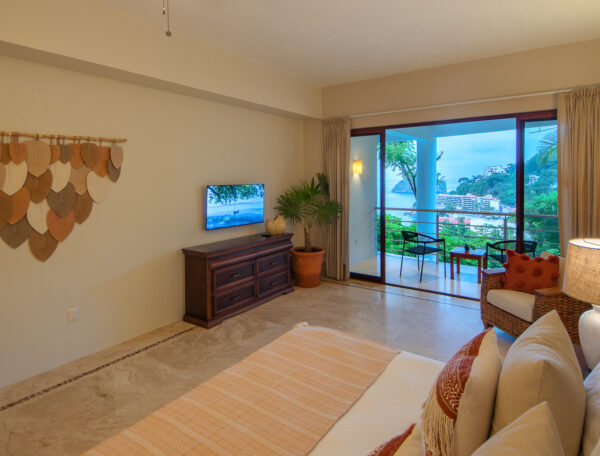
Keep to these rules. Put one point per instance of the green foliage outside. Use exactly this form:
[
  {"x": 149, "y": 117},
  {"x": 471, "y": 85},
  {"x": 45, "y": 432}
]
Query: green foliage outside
[
  {"x": 540, "y": 199},
  {"x": 401, "y": 156},
  {"x": 226, "y": 194},
  {"x": 455, "y": 235}
]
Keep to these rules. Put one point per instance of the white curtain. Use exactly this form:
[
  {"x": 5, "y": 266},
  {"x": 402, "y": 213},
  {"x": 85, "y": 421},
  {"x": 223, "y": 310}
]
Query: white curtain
[
  {"x": 579, "y": 165},
  {"x": 336, "y": 152}
]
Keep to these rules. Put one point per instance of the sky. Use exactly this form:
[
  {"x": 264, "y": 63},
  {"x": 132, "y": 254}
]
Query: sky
[{"x": 468, "y": 155}]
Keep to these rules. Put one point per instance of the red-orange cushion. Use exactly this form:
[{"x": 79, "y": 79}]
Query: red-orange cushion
[
  {"x": 527, "y": 274},
  {"x": 392, "y": 446}
]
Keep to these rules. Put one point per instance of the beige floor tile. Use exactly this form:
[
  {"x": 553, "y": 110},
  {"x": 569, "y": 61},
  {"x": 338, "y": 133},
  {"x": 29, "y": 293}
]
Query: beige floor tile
[{"x": 75, "y": 417}]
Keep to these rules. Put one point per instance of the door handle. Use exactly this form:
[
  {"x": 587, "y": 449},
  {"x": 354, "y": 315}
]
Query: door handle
[
  {"x": 234, "y": 297},
  {"x": 236, "y": 274}
]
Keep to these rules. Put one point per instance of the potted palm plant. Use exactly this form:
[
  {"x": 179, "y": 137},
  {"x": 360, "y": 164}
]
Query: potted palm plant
[{"x": 308, "y": 204}]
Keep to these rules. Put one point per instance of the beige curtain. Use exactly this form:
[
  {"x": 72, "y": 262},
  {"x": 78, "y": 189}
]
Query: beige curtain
[
  {"x": 336, "y": 152},
  {"x": 579, "y": 165}
]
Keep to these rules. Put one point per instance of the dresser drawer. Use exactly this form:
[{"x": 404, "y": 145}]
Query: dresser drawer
[
  {"x": 272, "y": 283},
  {"x": 233, "y": 274},
  {"x": 271, "y": 262},
  {"x": 233, "y": 298}
]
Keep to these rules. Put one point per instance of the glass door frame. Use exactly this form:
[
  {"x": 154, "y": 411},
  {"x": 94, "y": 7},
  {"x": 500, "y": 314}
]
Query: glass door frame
[
  {"x": 381, "y": 133},
  {"x": 520, "y": 120}
]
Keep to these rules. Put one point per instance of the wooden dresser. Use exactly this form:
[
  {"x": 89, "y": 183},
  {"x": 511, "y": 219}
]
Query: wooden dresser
[{"x": 225, "y": 278}]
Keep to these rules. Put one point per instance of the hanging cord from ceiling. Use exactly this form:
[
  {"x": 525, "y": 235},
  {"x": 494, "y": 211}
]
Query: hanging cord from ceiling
[{"x": 166, "y": 12}]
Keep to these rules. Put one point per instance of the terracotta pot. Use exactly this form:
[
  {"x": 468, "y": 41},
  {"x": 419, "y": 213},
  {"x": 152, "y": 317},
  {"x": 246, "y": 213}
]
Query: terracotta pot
[{"x": 307, "y": 266}]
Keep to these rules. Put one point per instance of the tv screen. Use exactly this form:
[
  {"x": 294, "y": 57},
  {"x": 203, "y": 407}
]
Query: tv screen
[{"x": 234, "y": 205}]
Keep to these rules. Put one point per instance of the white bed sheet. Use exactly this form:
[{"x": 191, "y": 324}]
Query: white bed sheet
[{"x": 391, "y": 404}]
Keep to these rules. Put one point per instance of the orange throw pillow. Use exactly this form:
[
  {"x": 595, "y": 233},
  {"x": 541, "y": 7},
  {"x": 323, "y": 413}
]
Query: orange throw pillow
[{"x": 527, "y": 274}]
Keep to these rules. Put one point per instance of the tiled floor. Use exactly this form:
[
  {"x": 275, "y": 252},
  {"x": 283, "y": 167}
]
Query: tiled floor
[
  {"x": 75, "y": 417},
  {"x": 464, "y": 284}
]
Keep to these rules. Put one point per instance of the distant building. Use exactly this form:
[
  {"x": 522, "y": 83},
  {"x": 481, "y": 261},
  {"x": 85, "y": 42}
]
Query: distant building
[
  {"x": 490, "y": 170},
  {"x": 533, "y": 179},
  {"x": 468, "y": 202}
]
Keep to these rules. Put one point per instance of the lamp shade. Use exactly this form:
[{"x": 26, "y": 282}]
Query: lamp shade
[
  {"x": 582, "y": 273},
  {"x": 357, "y": 166}
]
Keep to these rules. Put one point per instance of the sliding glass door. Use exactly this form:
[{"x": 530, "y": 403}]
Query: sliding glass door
[
  {"x": 364, "y": 234},
  {"x": 470, "y": 182}
]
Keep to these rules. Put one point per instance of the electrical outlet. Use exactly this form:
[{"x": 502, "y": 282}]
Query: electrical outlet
[{"x": 72, "y": 314}]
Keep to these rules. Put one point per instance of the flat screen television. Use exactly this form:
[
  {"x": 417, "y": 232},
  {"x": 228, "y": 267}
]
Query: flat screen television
[{"x": 234, "y": 205}]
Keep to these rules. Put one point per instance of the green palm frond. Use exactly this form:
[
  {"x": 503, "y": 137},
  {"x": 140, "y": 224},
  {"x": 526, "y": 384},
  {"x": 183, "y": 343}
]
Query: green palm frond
[{"x": 308, "y": 204}]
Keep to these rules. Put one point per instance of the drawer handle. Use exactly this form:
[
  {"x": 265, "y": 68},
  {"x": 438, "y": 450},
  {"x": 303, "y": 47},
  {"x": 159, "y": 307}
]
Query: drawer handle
[
  {"x": 275, "y": 282},
  {"x": 236, "y": 274},
  {"x": 234, "y": 297},
  {"x": 272, "y": 262}
]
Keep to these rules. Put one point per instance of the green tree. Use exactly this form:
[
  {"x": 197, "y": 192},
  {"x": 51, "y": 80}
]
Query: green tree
[
  {"x": 401, "y": 156},
  {"x": 225, "y": 194}
]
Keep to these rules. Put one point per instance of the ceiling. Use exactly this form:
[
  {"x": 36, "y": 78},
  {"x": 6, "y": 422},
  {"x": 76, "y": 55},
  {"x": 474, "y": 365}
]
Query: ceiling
[{"x": 330, "y": 42}]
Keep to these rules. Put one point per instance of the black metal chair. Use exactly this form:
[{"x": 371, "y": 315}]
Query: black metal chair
[
  {"x": 422, "y": 248},
  {"x": 529, "y": 248}
]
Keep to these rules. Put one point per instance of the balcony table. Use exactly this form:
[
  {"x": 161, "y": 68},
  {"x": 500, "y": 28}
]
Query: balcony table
[{"x": 459, "y": 252}]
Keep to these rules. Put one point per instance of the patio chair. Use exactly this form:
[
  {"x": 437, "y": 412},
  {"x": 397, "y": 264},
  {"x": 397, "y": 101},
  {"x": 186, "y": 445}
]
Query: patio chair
[
  {"x": 421, "y": 248},
  {"x": 497, "y": 250},
  {"x": 514, "y": 311}
]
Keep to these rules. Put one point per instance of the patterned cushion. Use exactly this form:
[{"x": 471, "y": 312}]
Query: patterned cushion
[
  {"x": 526, "y": 274},
  {"x": 457, "y": 415},
  {"x": 409, "y": 443}
]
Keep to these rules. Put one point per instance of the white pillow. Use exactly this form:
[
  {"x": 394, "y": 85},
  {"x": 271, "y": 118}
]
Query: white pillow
[
  {"x": 533, "y": 434},
  {"x": 591, "y": 428},
  {"x": 541, "y": 366},
  {"x": 457, "y": 415}
]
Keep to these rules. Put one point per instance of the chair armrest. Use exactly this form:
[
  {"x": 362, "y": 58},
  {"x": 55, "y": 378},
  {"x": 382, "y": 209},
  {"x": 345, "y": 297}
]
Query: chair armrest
[
  {"x": 493, "y": 272},
  {"x": 491, "y": 279},
  {"x": 548, "y": 292}
]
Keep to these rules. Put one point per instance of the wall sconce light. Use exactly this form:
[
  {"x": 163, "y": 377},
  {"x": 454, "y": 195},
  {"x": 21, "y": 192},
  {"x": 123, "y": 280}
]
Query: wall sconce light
[{"x": 357, "y": 166}]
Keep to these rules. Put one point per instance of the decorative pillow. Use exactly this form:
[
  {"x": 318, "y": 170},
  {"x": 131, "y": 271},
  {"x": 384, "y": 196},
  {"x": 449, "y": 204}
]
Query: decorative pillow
[
  {"x": 409, "y": 443},
  {"x": 527, "y": 275},
  {"x": 458, "y": 412},
  {"x": 541, "y": 366},
  {"x": 591, "y": 427},
  {"x": 561, "y": 266},
  {"x": 534, "y": 433}
]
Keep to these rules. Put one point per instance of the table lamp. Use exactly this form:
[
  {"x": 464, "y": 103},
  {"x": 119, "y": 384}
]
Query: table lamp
[{"x": 582, "y": 282}]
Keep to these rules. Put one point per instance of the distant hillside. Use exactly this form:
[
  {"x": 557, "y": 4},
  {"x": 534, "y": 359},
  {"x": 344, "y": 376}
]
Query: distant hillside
[
  {"x": 502, "y": 186},
  {"x": 402, "y": 186}
]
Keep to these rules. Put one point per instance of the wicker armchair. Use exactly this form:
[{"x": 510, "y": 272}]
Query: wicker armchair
[{"x": 546, "y": 300}]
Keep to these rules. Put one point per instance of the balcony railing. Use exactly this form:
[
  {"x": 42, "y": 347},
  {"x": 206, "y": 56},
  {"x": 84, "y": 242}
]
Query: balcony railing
[{"x": 456, "y": 227}]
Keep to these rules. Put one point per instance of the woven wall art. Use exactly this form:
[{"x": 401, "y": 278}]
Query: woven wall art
[{"x": 49, "y": 183}]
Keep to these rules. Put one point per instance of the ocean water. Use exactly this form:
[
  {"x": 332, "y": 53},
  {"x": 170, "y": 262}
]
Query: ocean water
[{"x": 235, "y": 214}]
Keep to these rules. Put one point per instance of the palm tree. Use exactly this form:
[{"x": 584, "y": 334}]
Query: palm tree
[{"x": 308, "y": 204}]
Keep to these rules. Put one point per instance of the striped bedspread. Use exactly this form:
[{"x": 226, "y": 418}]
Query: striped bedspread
[{"x": 280, "y": 400}]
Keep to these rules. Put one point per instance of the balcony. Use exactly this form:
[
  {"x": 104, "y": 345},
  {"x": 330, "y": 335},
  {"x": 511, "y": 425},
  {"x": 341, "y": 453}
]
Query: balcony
[{"x": 457, "y": 228}]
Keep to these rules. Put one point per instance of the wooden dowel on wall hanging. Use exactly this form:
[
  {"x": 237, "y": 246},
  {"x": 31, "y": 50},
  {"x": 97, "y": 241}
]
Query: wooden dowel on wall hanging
[{"x": 74, "y": 138}]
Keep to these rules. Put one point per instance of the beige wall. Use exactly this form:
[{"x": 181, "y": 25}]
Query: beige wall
[
  {"x": 123, "y": 267},
  {"x": 91, "y": 36},
  {"x": 548, "y": 69},
  {"x": 541, "y": 70}
]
